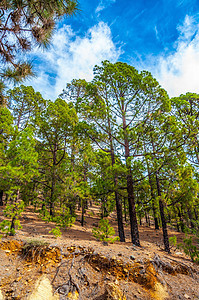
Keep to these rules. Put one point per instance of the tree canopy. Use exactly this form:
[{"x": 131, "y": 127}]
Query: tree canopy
[
  {"x": 24, "y": 25},
  {"x": 117, "y": 141}
]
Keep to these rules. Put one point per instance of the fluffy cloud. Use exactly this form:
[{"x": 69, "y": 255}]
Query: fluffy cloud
[
  {"x": 178, "y": 72},
  {"x": 72, "y": 57}
]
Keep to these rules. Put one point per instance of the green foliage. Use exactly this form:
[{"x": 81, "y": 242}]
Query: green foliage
[
  {"x": 62, "y": 217},
  {"x": 13, "y": 212},
  {"x": 105, "y": 232},
  {"x": 190, "y": 249},
  {"x": 56, "y": 232},
  {"x": 25, "y": 104},
  {"x": 24, "y": 24},
  {"x": 173, "y": 240}
]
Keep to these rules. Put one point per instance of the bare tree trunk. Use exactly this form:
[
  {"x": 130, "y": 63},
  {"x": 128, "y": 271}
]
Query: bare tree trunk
[
  {"x": 117, "y": 198},
  {"x": 162, "y": 215},
  {"x": 1, "y": 198},
  {"x": 130, "y": 190},
  {"x": 152, "y": 198}
]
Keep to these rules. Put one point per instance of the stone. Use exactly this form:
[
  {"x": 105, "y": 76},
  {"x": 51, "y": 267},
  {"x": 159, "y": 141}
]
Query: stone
[
  {"x": 1, "y": 296},
  {"x": 187, "y": 296},
  {"x": 43, "y": 290},
  {"x": 134, "y": 248},
  {"x": 132, "y": 257},
  {"x": 105, "y": 243},
  {"x": 114, "y": 292}
]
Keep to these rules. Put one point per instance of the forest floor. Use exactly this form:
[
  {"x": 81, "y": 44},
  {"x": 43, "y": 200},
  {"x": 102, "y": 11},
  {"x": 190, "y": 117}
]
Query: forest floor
[{"x": 80, "y": 267}]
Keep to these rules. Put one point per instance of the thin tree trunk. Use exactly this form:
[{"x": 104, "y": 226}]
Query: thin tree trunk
[
  {"x": 1, "y": 198},
  {"x": 12, "y": 227},
  {"x": 83, "y": 210},
  {"x": 117, "y": 198},
  {"x": 125, "y": 215},
  {"x": 130, "y": 189},
  {"x": 152, "y": 197},
  {"x": 162, "y": 215}
]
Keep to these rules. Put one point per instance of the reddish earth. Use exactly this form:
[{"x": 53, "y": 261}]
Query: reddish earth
[{"x": 106, "y": 264}]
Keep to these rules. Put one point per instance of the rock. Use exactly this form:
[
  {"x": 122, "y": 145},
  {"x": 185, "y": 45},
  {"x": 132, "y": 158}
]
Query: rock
[
  {"x": 179, "y": 253},
  {"x": 113, "y": 292},
  {"x": 187, "y": 296},
  {"x": 134, "y": 248},
  {"x": 1, "y": 296},
  {"x": 105, "y": 243},
  {"x": 132, "y": 257},
  {"x": 43, "y": 290},
  {"x": 73, "y": 296}
]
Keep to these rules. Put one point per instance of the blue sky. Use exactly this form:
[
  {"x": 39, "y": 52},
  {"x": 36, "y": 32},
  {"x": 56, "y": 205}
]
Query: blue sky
[{"x": 159, "y": 36}]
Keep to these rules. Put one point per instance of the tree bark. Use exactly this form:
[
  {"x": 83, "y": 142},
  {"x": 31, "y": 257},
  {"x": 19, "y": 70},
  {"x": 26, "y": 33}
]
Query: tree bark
[
  {"x": 117, "y": 198},
  {"x": 1, "y": 198},
  {"x": 152, "y": 196},
  {"x": 130, "y": 189},
  {"x": 162, "y": 215}
]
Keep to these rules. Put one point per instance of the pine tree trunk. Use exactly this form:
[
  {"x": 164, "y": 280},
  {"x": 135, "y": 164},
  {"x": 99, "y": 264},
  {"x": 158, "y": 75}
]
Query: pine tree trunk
[
  {"x": 12, "y": 227},
  {"x": 125, "y": 215},
  {"x": 132, "y": 212},
  {"x": 52, "y": 198},
  {"x": 130, "y": 190},
  {"x": 82, "y": 216},
  {"x": 162, "y": 215},
  {"x": 1, "y": 198},
  {"x": 153, "y": 198},
  {"x": 117, "y": 198}
]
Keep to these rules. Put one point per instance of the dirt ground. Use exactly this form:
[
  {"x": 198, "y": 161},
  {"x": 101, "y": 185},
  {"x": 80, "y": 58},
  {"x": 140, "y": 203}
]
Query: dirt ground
[{"x": 86, "y": 268}]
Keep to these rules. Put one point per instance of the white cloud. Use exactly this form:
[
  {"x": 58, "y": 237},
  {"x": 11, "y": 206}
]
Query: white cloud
[
  {"x": 104, "y": 4},
  {"x": 178, "y": 72},
  {"x": 72, "y": 57}
]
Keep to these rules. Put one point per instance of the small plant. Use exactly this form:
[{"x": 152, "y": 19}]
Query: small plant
[
  {"x": 12, "y": 211},
  {"x": 91, "y": 213},
  {"x": 173, "y": 241},
  {"x": 190, "y": 249},
  {"x": 34, "y": 244},
  {"x": 56, "y": 232},
  {"x": 62, "y": 218},
  {"x": 105, "y": 232}
]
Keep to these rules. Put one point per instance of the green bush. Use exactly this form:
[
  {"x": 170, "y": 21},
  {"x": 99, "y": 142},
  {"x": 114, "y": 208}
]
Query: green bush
[
  {"x": 105, "y": 232},
  {"x": 173, "y": 241},
  {"x": 13, "y": 212},
  {"x": 62, "y": 218},
  {"x": 56, "y": 232},
  {"x": 190, "y": 249}
]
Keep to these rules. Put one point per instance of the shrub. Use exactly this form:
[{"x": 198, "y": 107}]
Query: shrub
[
  {"x": 173, "y": 241},
  {"x": 56, "y": 232},
  {"x": 12, "y": 211},
  {"x": 190, "y": 249},
  {"x": 105, "y": 232}
]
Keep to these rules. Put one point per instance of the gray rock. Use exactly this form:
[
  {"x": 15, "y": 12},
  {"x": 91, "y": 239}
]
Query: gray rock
[{"x": 132, "y": 257}]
